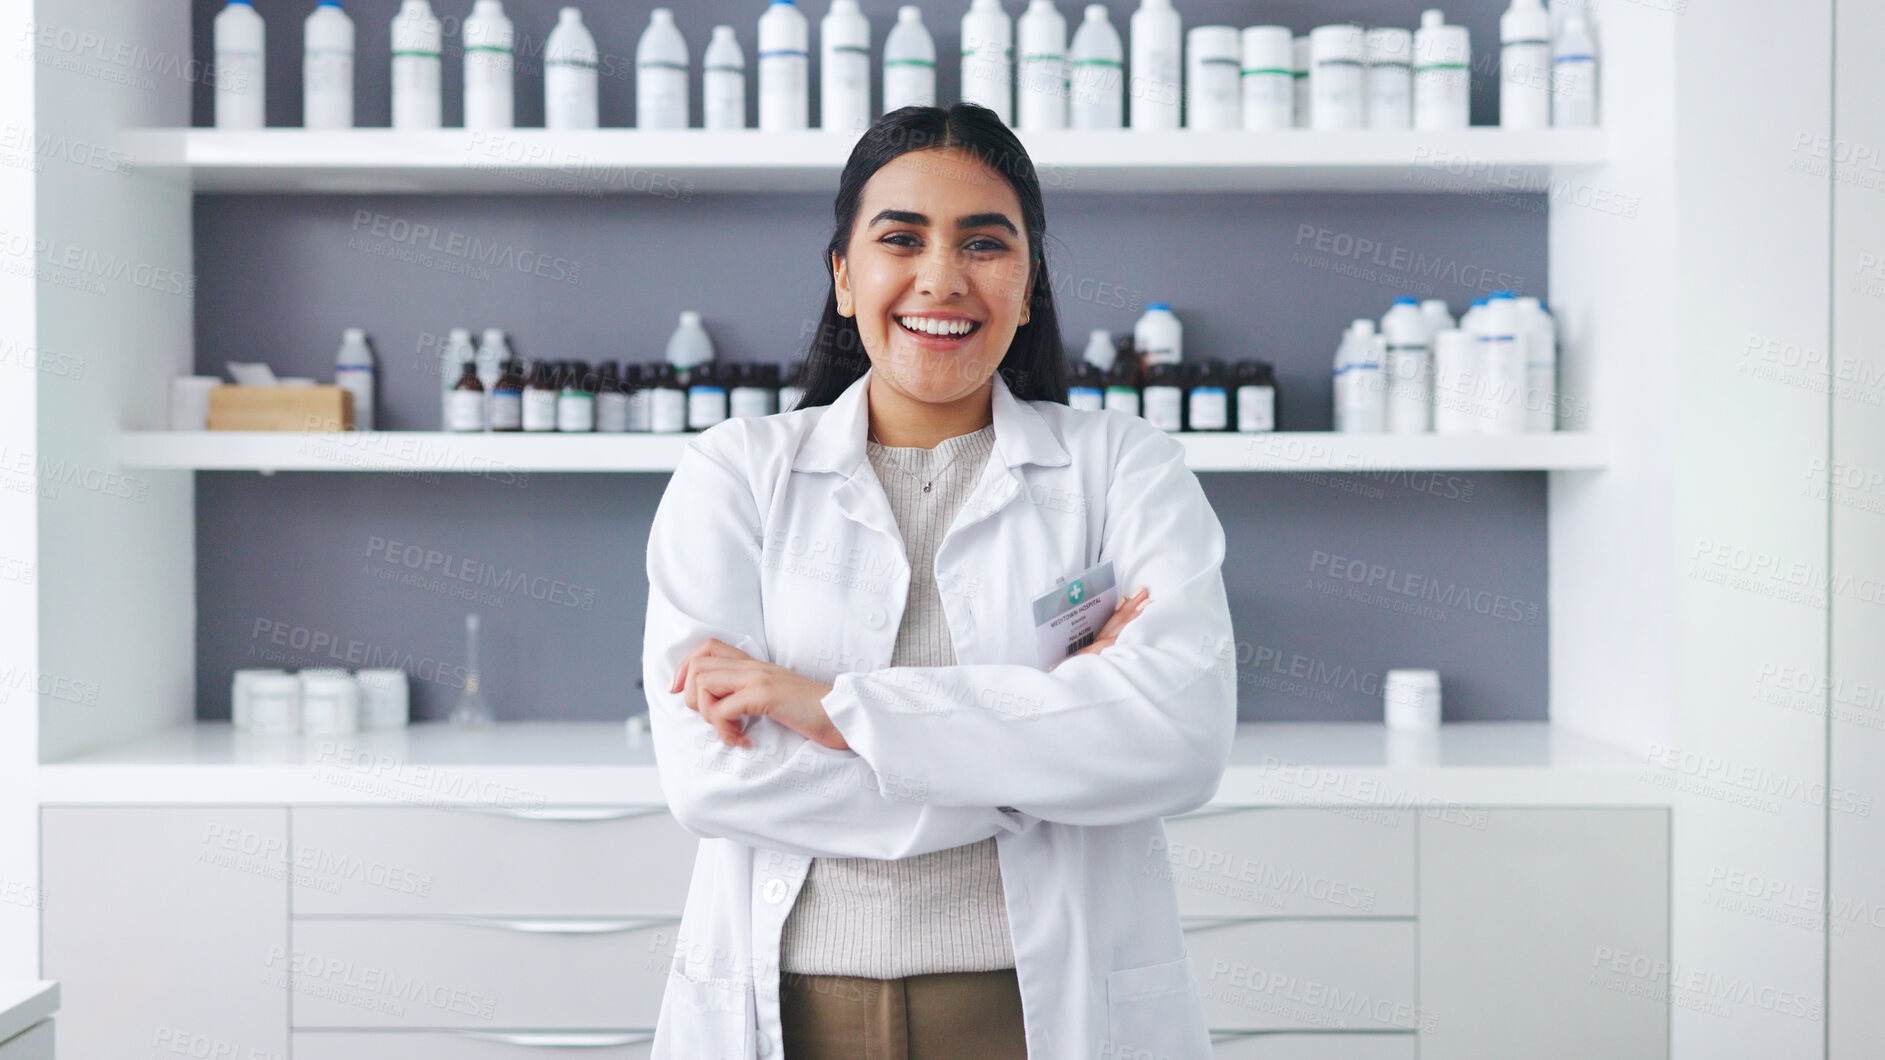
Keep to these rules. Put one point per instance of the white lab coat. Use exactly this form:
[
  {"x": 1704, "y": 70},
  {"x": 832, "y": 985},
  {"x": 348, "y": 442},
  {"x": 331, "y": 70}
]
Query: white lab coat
[{"x": 774, "y": 536}]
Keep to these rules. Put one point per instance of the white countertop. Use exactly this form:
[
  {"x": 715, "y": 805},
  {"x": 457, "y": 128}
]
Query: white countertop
[
  {"x": 524, "y": 765},
  {"x": 24, "y": 1002}
]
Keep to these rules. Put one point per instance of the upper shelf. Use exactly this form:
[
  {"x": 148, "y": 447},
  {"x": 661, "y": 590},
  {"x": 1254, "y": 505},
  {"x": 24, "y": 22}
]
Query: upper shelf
[
  {"x": 678, "y": 164},
  {"x": 438, "y": 452}
]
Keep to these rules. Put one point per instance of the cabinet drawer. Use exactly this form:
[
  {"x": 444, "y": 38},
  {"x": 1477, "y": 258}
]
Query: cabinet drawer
[
  {"x": 33, "y": 1043},
  {"x": 405, "y": 861},
  {"x": 471, "y": 1045},
  {"x": 1263, "y": 975},
  {"x": 1309, "y": 1047},
  {"x": 480, "y": 974},
  {"x": 1292, "y": 862}
]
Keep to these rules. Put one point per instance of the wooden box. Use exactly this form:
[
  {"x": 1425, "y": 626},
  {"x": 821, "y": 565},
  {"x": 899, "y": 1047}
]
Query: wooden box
[{"x": 280, "y": 408}]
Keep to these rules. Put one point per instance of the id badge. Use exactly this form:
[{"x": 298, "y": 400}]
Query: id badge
[{"x": 1069, "y": 616}]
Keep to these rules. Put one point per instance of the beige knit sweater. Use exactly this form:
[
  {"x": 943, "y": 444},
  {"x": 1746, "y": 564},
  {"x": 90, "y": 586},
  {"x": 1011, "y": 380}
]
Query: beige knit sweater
[{"x": 936, "y": 912}]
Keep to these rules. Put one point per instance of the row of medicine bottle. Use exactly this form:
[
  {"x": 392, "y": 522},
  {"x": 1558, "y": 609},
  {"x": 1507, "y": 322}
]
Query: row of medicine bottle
[
  {"x": 1209, "y": 77},
  {"x": 1494, "y": 372}
]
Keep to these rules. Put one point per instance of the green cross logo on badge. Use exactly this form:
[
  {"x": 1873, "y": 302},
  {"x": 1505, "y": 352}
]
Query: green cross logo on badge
[{"x": 1076, "y": 591}]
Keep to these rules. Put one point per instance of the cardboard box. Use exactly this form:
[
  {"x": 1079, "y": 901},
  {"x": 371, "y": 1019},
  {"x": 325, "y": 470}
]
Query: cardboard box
[{"x": 280, "y": 408}]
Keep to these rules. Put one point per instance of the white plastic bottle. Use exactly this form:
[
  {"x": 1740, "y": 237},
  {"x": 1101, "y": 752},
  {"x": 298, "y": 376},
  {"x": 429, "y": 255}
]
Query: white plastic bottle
[
  {"x": 1158, "y": 337},
  {"x": 1213, "y": 68},
  {"x": 1409, "y": 368},
  {"x": 689, "y": 345},
  {"x": 784, "y": 101},
  {"x": 1501, "y": 363},
  {"x": 1574, "y": 75},
  {"x": 1359, "y": 383},
  {"x": 1299, "y": 75},
  {"x": 1541, "y": 365},
  {"x": 327, "y": 68},
  {"x": 457, "y": 353},
  {"x": 417, "y": 41},
  {"x": 661, "y": 74},
  {"x": 493, "y": 351},
  {"x": 353, "y": 371},
  {"x": 988, "y": 58},
  {"x": 723, "y": 81},
  {"x": 490, "y": 67},
  {"x": 1269, "y": 87},
  {"x": 239, "y": 66},
  {"x": 1443, "y": 56},
  {"x": 1096, "y": 93},
  {"x": 1100, "y": 351},
  {"x": 1335, "y": 77},
  {"x": 1157, "y": 36},
  {"x": 1456, "y": 409},
  {"x": 570, "y": 59},
  {"x": 1390, "y": 54},
  {"x": 1436, "y": 314},
  {"x": 1525, "y": 66},
  {"x": 1041, "y": 68},
  {"x": 909, "y": 62},
  {"x": 844, "y": 69}
]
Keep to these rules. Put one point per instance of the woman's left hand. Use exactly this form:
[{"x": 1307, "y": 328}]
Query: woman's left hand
[{"x": 724, "y": 684}]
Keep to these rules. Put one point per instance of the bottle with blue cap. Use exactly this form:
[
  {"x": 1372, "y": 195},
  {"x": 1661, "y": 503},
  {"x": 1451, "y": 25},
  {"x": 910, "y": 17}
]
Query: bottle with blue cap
[
  {"x": 1158, "y": 338},
  {"x": 327, "y": 68},
  {"x": 239, "y": 67},
  {"x": 1501, "y": 364},
  {"x": 784, "y": 102}
]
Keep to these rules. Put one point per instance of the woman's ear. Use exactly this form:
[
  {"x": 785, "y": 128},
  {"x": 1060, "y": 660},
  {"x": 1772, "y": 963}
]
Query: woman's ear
[
  {"x": 1027, "y": 296},
  {"x": 841, "y": 285}
]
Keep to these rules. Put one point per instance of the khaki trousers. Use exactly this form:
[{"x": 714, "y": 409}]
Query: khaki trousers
[{"x": 937, "y": 1016}]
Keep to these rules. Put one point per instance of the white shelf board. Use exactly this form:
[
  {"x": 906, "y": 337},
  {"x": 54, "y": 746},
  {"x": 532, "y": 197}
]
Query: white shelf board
[
  {"x": 497, "y": 455},
  {"x": 681, "y": 163},
  {"x": 522, "y": 766}
]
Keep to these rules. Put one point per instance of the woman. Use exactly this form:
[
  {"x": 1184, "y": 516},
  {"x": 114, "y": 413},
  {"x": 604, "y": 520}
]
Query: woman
[{"x": 928, "y": 789}]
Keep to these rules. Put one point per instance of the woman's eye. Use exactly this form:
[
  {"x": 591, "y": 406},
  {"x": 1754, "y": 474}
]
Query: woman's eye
[
  {"x": 985, "y": 244},
  {"x": 899, "y": 239}
]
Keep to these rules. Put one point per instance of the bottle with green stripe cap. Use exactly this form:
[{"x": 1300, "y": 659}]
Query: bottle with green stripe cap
[
  {"x": 489, "y": 67},
  {"x": 1041, "y": 73},
  {"x": 909, "y": 62},
  {"x": 1096, "y": 93},
  {"x": 661, "y": 74},
  {"x": 844, "y": 69},
  {"x": 1525, "y": 66},
  {"x": 988, "y": 58},
  {"x": 1443, "y": 56},
  {"x": 1269, "y": 90},
  {"x": 416, "y": 43}
]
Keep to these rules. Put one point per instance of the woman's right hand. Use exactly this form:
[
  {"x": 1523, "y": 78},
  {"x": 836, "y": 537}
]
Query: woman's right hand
[{"x": 1125, "y": 611}]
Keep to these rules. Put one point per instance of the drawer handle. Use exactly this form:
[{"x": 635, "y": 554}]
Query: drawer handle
[
  {"x": 562, "y": 1040},
  {"x": 568, "y": 926},
  {"x": 1189, "y": 924},
  {"x": 570, "y": 813}
]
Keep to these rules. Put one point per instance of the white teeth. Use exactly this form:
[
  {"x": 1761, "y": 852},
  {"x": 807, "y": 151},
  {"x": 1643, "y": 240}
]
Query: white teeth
[{"x": 934, "y": 326}]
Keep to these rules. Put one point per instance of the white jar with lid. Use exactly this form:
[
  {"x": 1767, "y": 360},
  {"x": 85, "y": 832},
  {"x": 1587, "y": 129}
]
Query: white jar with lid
[
  {"x": 385, "y": 699},
  {"x": 330, "y": 703},
  {"x": 239, "y": 712},
  {"x": 1214, "y": 65},
  {"x": 1335, "y": 77},
  {"x": 274, "y": 703},
  {"x": 1412, "y": 699}
]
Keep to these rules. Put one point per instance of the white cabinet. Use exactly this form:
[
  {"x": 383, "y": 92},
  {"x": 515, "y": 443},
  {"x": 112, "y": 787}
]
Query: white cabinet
[
  {"x": 1306, "y": 974},
  {"x": 167, "y": 926},
  {"x": 471, "y": 1045},
  {"x": 1545, "y": 935},
  {"x": 33, "y": 1043},
  {"x": 1227, "y": 1046},
  {"x": 1269, "y": 861}
]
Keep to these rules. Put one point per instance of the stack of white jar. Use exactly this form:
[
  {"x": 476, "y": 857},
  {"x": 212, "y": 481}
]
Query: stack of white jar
[
  {"x": 318, "y": 702},
  {"x": 1337, "y": 77},
  {"x": 1495, "y": 373}
]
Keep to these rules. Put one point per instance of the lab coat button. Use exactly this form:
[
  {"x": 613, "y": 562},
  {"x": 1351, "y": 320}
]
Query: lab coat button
[
  {"x": 876, "y": 618},
  {"x": 775, "y": 891}
]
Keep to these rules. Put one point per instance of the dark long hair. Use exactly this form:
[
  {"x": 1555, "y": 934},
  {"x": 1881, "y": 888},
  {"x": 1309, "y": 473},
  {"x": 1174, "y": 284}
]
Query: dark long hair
[{"x": 1035, "y": 366}]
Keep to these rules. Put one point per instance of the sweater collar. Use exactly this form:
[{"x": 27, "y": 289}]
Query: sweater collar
[{"x": 836, "y": 441}]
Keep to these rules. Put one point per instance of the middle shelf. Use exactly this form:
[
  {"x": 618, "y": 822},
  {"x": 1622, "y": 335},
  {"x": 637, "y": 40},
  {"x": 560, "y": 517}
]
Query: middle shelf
[{"x": 440, "y": 452}]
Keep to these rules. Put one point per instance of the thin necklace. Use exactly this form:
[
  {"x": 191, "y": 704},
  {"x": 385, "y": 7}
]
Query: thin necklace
[{"x": 896, "y": 461}]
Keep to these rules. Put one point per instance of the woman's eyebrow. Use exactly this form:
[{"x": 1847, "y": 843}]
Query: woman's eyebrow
[{"x": 974, "y": 220}]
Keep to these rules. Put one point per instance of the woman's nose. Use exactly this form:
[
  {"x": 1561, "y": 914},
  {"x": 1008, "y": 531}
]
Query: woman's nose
[{"x": 939, "y": 273}]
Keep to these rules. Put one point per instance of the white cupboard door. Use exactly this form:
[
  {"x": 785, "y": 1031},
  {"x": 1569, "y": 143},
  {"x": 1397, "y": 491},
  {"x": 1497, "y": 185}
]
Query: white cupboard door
[
  {"x": 1264, "y": 975},
  {"x": 1291, "y": 862}
]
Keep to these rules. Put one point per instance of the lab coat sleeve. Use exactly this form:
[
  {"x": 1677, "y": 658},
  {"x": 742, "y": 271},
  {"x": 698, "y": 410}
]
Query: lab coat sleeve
[
  {"x": 786, "y": 792},
  {"x": 1138, "y": 730}
]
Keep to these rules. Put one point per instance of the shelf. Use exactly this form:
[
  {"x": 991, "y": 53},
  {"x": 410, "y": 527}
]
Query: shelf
[
  {"x": 435, "y": 452},
  {"x": 522, "y": 766},
  {"x": 681, "y": 163}
]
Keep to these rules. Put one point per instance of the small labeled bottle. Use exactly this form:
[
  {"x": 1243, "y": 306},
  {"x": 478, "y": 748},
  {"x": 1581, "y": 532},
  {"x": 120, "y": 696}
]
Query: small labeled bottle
[
  {"x": 1268, "y": 86},
  {"x": 507, "y": 399},
  {"x": 1213, "y": 70},
  {"x": 239, "y": 66},
  {"x": 1335, "y": 77},
  {"x": 909, "y": 62},
  {"x": 540, "y": 398},
  {"x": 988, "y": 57},
  {"x": 1207, "y": 404},
  {"x": 635, "y": 382},
  {"x": 490, "y": 67},
  {"x": 1041, "y": 68},
  {"x": 661, "y": 74},
  {"x": 754, "y": 390},
  {"x": 1525, "y": 66},
  {"x": 570, "y": 60},
  {"x": 1390, "y": 103},
  {"x": 1541, "y": 364},
  {"x": 723, "y": 81},
  {"x": 1501, "y": 364},
  {"x": 353, "y": 370},
  {"x": 844, "y": 69},
  {"x": 1359, "y": 387},
  {"x": 576, "y": 400},
  {"x": 1409, "y": 368},
  {"x": 667, "y": 400},
  {"x": 792, "y": 389},
  {"x": 1443, "y": 56},
  {"x": 783, "y": 93},
  {"x": 1086, "y": 385},
  {"x": 465, "y": 408},
  {"x": 1157, "y": 39},
  {"x": 611, "y": 400},
  {"x": 1158, "y": 338},
  {"x": 1574, "y": 75},
  {"x": 1096, "y": 91},
  {"x": 418, "y": 102},
  {"x": 1256, "y": 397},
  {"x": 706, "y": 396},
  {"x": 1122, "y": 390},
  {"x": 327, "y": 68},
  {"x": 1163, "y": 396}
]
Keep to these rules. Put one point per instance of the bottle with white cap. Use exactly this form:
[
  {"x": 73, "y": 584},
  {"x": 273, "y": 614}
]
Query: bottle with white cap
[
  {"x": 1436, "y": 314},
  {"x": 1574, "y": 74},
  {"x": 457, "y": 353},
  {"x": 1213, "y": 68},
  {"x": 1157, "y": 36},
  {"x": 1501, "y": 364},
  {"x": 1335, "y": 77},
  {"x": 1269, "y": 88},
  {"x": 1096, "y": 92},
  {"x": 1390, "y": 54},
  {"x": 723, "y": 81},
  {"x": 1443, "y": 56},
  {"x": 987, "y": 58},
  {"x": 689, "y": 345},
  {"x": 784, "y": 100},
  {"x": 1100, "y": 351},
  {"x": 238, "y": 36},
  {"x": 327, "y": 68},
  {"x": 353, "y": 371},
  {"x": 1411, "y": 699},
  {"x": 1541, "y": 364},
  {"x": 1525, "y": 66},
  {"x": 1041, "y": 71},
  {"x": 493, "y": 351},
  {"x": 661, "y": 74},
  {"x": 1158, "y": 337},
  {"x": 844, "y": 69},
  {"x": 490, "y": 67},
  {"x": 1359, "y": 385},
  {"x": 570, "y": 59},
  {"x": 1299, "y": 74},
  {"x": 1409, "y": 368},
  {"x": 909, "y": 62},
  {"x": 417, "y": 41},
  {"x": 1457, "y": 409}
]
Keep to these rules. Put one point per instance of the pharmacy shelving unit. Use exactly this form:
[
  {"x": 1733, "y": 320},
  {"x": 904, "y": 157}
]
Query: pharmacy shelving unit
[{"x": 1674, "y": 268}]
